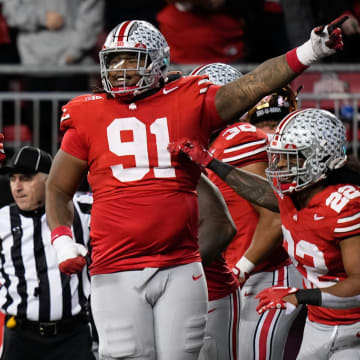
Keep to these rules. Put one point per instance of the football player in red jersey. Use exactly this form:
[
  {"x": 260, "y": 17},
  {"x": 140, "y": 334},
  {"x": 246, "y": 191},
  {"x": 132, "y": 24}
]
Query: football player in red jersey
[
  {"x": 317, "y": 192},
  {"x": 222, "y": 325},
  {"x": 255, "y": 253},
  {"x": 145, "y": 215}
]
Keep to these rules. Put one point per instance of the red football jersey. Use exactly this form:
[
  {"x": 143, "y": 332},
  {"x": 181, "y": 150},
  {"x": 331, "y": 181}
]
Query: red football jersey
[
  {"x": 241, "y": 144},
  {"x": 145, "y": 206},
  {"x": 221, "y": 281},
  {"x": 205, "y": 38},
  {"x": 312, "y": 236}
]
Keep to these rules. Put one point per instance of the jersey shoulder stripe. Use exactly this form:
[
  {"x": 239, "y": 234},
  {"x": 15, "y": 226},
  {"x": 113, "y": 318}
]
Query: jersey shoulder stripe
[
  {"x": 244, "y": 155},
  {"x": 202, "y": 81}
]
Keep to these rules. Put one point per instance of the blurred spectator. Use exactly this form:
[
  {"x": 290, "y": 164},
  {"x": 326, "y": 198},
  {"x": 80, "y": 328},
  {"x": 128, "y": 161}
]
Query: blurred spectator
[
  {"x": 4, "y": 32},
  {"x": 8, "y": 51},
  {"x": 55, "y": 32},
  {"x": 227, "y": 31},
  {"x": 208, "y": 32}
]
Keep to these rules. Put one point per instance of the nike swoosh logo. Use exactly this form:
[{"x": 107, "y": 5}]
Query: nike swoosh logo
[
  {"x": 210, "y": 311},
  {"x": 170, "y": 90},
  {"x": 196, "y": 277},
  {"x": 316, "y": 217},
  {"x": 248, "y": 294}
]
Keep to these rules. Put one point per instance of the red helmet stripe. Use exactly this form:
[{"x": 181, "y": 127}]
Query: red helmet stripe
[{"x": 123, "y": 29}]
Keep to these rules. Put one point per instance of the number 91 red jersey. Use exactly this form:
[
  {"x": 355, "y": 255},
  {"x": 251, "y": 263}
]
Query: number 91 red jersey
[{"x": 145, "y": 206}]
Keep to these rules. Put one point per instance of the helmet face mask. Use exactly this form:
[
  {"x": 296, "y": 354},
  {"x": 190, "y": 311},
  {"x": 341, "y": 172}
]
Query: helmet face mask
[
  {"x": 149, "y": 50},
  {"x": 288, "y": 170},
  {"x": 306, "y": 146},
  {"x": 114, "y": 68}
]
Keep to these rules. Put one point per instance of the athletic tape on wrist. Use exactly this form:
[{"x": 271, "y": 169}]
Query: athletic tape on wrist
[
  {"x": 294, "y": 62},
  {"x": 60, "y": 231},
  {"x": 245, "y": 265},
  {"x": 219, "y": 168},
  {"x": 309, "y": 296}
]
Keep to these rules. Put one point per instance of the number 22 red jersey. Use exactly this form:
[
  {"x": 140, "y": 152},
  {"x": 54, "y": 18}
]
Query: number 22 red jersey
[
  {"x": 312, "y": 236},
  {"x": 145, "y": 210}
]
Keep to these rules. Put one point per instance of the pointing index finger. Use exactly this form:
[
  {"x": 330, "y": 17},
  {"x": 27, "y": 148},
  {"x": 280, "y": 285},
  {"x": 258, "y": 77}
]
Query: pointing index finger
[{"x": 336, "y": 23}]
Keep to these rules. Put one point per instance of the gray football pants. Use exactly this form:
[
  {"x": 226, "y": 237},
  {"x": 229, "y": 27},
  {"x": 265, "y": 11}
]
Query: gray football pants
[
  {"x": 330, "y": 342},
  {"x": 150, "y": 314}
]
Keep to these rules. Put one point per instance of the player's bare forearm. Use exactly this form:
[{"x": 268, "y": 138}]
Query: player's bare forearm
[
  {"x": 253, "y": 188},
  {"x": 59, "y": 207},
  {"x": 214, "y": 239},
  {"x": 235, "y": 98},
  {"x": 267, "y": 236},
  {"x": 65, "y": 176},
  {"x": 216, "y": 227}
]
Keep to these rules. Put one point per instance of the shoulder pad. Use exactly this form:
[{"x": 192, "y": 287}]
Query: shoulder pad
[
  {"x": 202, "y": 81},
  {"x": 82, "y": 102}
]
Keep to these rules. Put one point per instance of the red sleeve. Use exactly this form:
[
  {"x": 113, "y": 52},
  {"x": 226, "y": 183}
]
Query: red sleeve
[
  {"x": 215, "y": 121},
  {"x": 241, "y": 144},
  {"x": 73, "y": 144}
]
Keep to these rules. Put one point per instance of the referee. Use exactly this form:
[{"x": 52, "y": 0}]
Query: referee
[{"x": 46, "y": 311}]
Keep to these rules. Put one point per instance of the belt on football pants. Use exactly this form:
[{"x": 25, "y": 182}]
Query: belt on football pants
[{"x": 48, "y": 328}]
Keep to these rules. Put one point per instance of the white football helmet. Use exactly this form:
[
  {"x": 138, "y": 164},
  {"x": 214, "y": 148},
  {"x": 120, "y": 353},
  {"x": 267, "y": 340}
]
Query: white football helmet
[
  {"x": 146, "y": 41},
  {"x": 306, "y": 146},
  {"x": 219, "y": 73}
]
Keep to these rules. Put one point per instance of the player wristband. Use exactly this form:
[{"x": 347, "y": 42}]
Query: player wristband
[
  {"x": 60, "y": 231},
  {"x": 293, "y": 61},
  {"x": 219, "y": 168},
  {"x": 245, "y": 265},
  {"x": 309, "y": 296}
]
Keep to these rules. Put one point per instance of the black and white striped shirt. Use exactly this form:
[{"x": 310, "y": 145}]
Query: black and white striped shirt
[{"x": 32, "y": 285}]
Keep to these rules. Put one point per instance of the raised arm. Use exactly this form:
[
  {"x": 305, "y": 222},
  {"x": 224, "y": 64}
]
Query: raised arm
[
  {"x": 235, "y": 98},
  {"x": 216, "y": 227}
]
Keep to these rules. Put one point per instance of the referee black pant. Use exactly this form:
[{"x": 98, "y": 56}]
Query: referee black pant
[{"x": 48, "y": 341}]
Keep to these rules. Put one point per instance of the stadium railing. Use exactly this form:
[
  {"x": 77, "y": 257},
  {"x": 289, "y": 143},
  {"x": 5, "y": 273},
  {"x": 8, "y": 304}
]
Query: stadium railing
[{"x": 344, "y": 89}]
